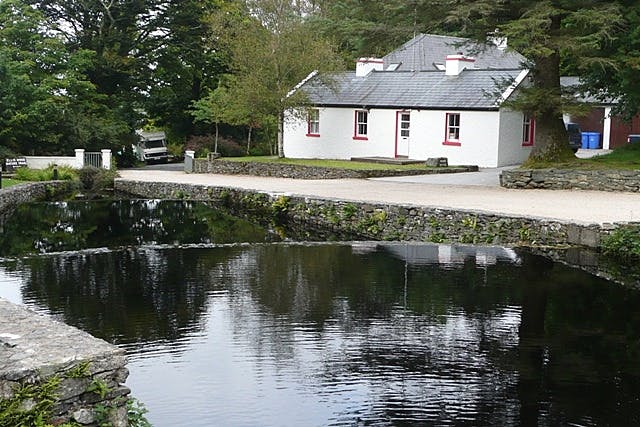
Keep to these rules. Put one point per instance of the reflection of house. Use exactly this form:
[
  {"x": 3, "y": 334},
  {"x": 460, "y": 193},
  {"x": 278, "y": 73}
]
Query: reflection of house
[
  {"x": 432, "y": 97},
  {"x": 426, "y": 254},
  {"x": 612, "y": 129}
]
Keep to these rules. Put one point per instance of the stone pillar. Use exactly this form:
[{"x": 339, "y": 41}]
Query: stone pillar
[
  {"x": 188, "y": 160},
  {"x": 79, "y": 158},
  {"x": 106, "y": 159},
  {"x": 606, "y": 128}
]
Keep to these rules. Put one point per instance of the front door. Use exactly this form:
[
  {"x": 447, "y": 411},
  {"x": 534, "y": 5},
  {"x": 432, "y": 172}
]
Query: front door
[{"x": 403, "y": 121}]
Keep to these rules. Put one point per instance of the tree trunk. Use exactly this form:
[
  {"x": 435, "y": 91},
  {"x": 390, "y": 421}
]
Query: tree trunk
[
  {"x": 280, "y": 135},
  {"x": 551, "y": 139},
  {"x": 215, "y": 143},
  {"x": 249, "y": 139}
]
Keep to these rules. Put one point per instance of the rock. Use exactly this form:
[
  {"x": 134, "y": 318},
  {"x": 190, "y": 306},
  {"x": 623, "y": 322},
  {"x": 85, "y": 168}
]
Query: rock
[{"x": 84, "y": 416}]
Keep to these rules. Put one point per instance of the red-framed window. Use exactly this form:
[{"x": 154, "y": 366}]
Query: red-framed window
[
  {"x": 528, "y": 130},
  {"x": 452, "y": 129},
  {"x": 361, "y": 124},
  {"x": 313, "y": 122}
]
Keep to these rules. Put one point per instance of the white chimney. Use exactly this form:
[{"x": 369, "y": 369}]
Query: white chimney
[
  {"x": 365, "y": 65},
  {"x": 456, "y": 63},
  {"x": 500, "y": 42}
]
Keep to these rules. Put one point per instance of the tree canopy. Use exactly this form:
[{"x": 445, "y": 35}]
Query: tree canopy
[{"x": 86, "y": 74}]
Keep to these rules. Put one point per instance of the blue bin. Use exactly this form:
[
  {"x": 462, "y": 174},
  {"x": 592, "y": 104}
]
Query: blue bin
[
  {"x": 585, "y": 140},
  {"x": 594, "y": 140}
]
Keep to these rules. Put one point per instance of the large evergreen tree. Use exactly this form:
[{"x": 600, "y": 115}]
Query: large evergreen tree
[{"x": 547, "y": 33}]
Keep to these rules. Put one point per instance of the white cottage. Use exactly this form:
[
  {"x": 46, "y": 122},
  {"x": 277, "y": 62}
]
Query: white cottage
[{"x": 413, "y": 104}]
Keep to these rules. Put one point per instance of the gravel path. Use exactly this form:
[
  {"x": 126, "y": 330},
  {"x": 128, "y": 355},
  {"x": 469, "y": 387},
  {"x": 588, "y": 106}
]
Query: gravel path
[{"x": 577, "y": 206}]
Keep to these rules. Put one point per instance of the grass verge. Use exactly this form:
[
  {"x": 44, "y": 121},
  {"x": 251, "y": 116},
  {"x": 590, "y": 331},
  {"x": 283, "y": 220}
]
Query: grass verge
[
  {"x": 9, "y": 182},
  {"x": 626, "y": 157},
  {"x": 336, "y": 164}
]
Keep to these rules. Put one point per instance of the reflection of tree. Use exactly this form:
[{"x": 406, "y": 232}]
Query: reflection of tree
[
  {"x": 578, "y": 348},
  {"x": 49, "y": 227},
  {"x": 129, "y": 296}
]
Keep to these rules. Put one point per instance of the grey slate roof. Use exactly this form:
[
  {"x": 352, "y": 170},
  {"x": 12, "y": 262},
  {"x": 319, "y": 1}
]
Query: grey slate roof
[
  {"x": 574, "y": 84},
  {"x": 471, "y": 90},
  {"x": 421, "y": 52}
]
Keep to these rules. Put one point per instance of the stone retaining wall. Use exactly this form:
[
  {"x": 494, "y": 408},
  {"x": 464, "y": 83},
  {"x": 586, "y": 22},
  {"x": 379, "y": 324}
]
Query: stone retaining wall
[
  {"x": 11, "y": 197},
  {"x": 308, "y": 172},
  {"x": 564, "y": 179},
  {"x": 354, "y": 220},
  {"x": 59, "y": 373}
]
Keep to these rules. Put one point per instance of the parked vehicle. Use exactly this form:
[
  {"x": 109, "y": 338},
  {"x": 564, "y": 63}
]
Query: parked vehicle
[
  {"x": 152, "y": 147},
  {"x": 633, "y": 138},
  {"x": 575, "y": 136}
]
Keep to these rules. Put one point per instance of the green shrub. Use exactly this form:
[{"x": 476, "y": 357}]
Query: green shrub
[
  {"x": 65, "y": 173},
  {"x": 623, "y": 243},
  {"x": 203, "y": 144},
  {"x": 96, "y": 179}
]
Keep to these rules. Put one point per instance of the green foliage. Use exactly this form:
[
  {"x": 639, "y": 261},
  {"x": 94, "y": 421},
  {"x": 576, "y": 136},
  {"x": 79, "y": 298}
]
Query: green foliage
[
  {"x": 189, "y": 61},
  {"x": 81, "y": 370},
  {"x": 96, "y": 179},
  {"x": 623, "y": 244},
  {"x": 99, "y": 387},
  {"x": 65, "y": 173},
  {"x": 324, "y": 163},
  {"x": 204, "y": 144},
  {"x": 30, "y": 405},
  {"x": 349, "y": 210},
  {"x": 280, "y": 208},
  {"x": 135, "y": 414},
  {"x": 367, "y": 28},
  {"x": 271, "y": 50},
  {"x": 549, "y": 34},
  {"x": 102, "y": 414},
  {"x": 49, "y": 102},
  {"x": 8, "y": 182}
]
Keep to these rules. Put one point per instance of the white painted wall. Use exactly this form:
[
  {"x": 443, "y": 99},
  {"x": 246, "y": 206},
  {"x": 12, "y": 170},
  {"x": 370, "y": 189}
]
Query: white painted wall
[
  {"x": 510, "y": 149},
  {"x": 336, "y": 135},
  {"x": 43, "y": 162},
  {"x": 479, "y": 137}
]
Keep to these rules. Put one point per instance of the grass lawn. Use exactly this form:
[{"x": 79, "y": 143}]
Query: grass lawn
[
  {"x": 338, "y": 164},
  {"x": 8, "y": 182},
  {"x": 626, "y": 157}
]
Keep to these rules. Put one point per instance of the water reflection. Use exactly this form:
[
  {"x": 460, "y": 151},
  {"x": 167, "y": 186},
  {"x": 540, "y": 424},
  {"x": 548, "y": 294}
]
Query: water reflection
[
  {"x": 78, "y": 225},
  {"x": 382, "y": 334}
]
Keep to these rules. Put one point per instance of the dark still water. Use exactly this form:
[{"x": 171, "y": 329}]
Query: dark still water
[
  {"x": 76, "y": 225},
  {"x": 275, "y": 334}
]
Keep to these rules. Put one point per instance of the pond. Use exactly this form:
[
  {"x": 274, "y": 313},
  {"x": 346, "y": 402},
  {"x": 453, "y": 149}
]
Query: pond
[{"x": 362, "y": 333}]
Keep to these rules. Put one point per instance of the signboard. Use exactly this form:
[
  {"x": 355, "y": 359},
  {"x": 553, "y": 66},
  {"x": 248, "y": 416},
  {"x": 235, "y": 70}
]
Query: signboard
[{"x": 12, "y": 164}]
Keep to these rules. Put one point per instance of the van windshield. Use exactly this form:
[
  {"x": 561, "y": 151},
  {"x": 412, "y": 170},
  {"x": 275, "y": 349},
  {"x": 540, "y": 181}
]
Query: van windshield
[{"x": 157, "y": 143}]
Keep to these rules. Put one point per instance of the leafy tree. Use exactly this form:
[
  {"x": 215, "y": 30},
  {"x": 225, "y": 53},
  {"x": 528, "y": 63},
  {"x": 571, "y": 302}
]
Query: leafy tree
[
  {"x": 546, "y": 32},
  {"x": 272, "y": 49},
  {"x": 47, "y": 103},
  {"x": 187, "y": 63}
]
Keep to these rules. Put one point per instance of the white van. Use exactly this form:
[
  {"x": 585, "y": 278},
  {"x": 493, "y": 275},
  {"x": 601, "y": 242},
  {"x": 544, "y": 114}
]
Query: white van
[{"x": 152, "y": 147}]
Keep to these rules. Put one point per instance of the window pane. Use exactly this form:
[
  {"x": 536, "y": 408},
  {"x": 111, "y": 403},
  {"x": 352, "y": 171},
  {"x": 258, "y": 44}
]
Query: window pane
[{"x": 361, "y": 122}]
